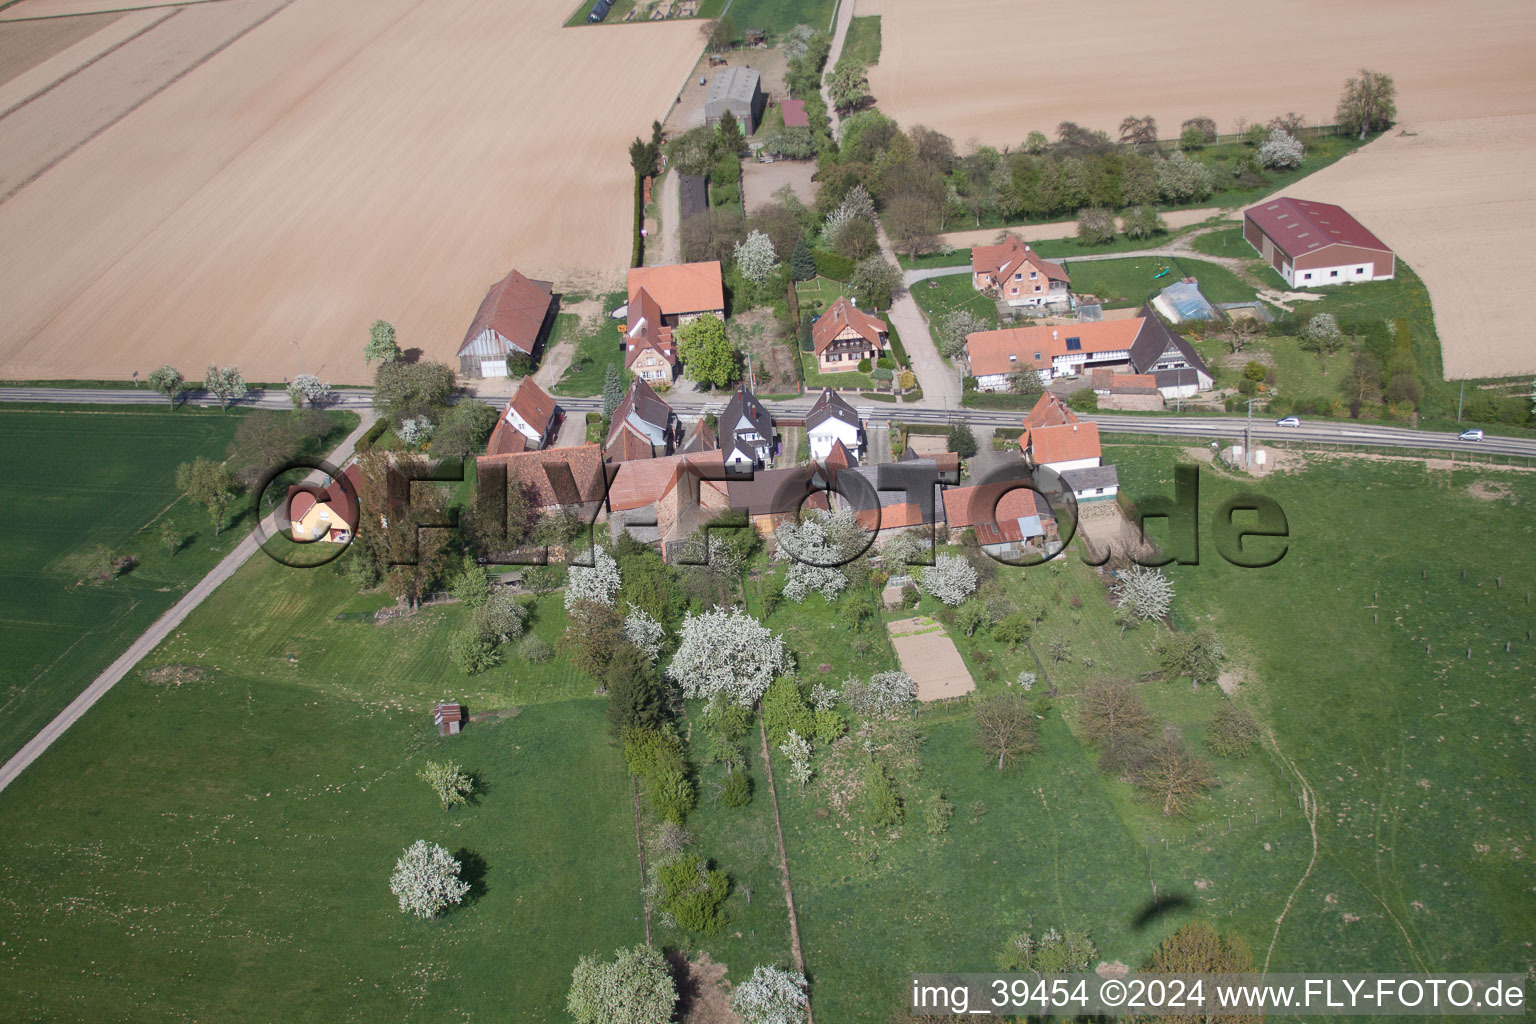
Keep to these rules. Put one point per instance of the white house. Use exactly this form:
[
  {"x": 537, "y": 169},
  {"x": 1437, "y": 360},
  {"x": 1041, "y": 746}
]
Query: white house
[
  {"x": 832, "y": 420},
  {"x": 746, "y": 433}
]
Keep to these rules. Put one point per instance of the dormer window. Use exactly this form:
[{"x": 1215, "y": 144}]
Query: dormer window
[{"x": 1012, "y": 358}]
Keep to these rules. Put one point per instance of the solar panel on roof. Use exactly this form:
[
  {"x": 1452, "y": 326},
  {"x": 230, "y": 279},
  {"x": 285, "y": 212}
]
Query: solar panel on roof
[{"x": 1074, "y": 344}]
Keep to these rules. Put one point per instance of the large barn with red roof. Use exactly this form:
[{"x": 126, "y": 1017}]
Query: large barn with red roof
[{"x": 1314, "y": 244}]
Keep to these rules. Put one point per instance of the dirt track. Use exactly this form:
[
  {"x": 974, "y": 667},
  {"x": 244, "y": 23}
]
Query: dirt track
[{"x": 345, "y": 160}]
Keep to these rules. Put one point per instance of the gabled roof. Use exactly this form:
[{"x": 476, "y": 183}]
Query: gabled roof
[
  {"x": 1092, "y": 476},
  {"x": 699, "y": 438},
  {"x": 554, "y": 476},
  {"x": 642, "y": 403},
  {"x": 841, "y": 316},
  {"x": 643, "y": 483},
  {"x": 341, "y": 503},
  {"x": 830, "y": 405},
  {"x": 681, "y": 287},
  {"x": 794, "y": 114},
  {"x": 776, "y": 491},
  {"x": 989, "y": 351},
  {"x": 1153, "y": 338},
  {"x": 1004, "y": 260},
  {"x": 744, "y": 406},
  {"x": 533, "y": 404},
  {"x": 986, "y": 503},
  {"x": 1068, "y": 443},
  {"x": 1049, "y": 411},
  {"x": 1300, "y": 226},
  {"x": 839, "y": 457},
  {"x": 645, "y": 330},
  {"x": 515, "y": 308},
  {"x": 626, "y": 444}
]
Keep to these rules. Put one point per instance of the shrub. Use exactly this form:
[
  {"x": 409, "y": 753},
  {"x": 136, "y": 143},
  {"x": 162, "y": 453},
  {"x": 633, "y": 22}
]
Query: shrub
[
  {"x": 885, "y": 363},
  {"x": 737, "y": 791},
  {"x": 863, "y": 365},
  {"x": 1234, "y": 730},
  {"x": 671, "y": 794},
  {"x": 694, "y": 894},
  {"x": 534, "y": 651},
  {"x": 784, "y": 709},
  {"x": 882, "y": 804}
]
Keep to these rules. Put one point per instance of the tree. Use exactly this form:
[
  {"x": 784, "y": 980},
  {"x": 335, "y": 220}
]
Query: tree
[
  {"x": 755, "y": 258},
  {"x": 1143, "y": 222},
  {"x": 728, "y": 131},
  {"x": 950, "y": 578},
  {"x": 472, "y": 651},
  {"x": 1321, "y": 336},
  {"x": 1095, "y": 225},
  {"x": 1111, "y": 715},
  {"x": 1140, "y": 132},
  {"x": 721, "y": 33},
  {"x": 170, "y": 536},
  {"x": 1198, "y": 655},
  {"x": 1281, "y": 150},
  {"x": 410, "y": 389},
  {"x": 956, "y": 327},
  {"x": 1234, "y": 730},
  {"x": 914, "y": 220},
  {"x": 426, "y": 880},
  {"x": 636, "y": 987},
  {"x": 594, "y": 636},
  {"x": 771, "y": 996},
  {"x": 1060, "y": 648},
  {"x": 463, "y": 430},
  {"x": 693, "y": 894},
  {"x": 1182, "y": 180},
  {"x": 802, "y": 264},
  {"x": 642, "y": 159},
  {"x": 1145, "y": 594},
  {"x": 599, "y": 584},
  {"x": 410, "y": 561},
  {"x": 643, "y": 631},
  {"x": 1052, "y": 953},
  {"x": 224, "y": 383},
  {"x": 727, "y": 652},
  {"x": 306, "y": 387},
  {"x": 1173, "y": 777},
  {"x": 811, "y": 548},
  {"x": 961, "y": 440},
  {"x": 848, "y": 85},
  {"x": 875, "y": 282},
  {"x": 381, "y": 343},
  {"x": 1363, "y": 380},
  {"x": 856, "y": 239},
  {"x": 635, "y": 696},
  {"x": 1368, "y": 103},
  {"x": 415, "y": 431},
  {"x": 472, "y": 585},
  {"x": 210, "y": 484},
  {"x": 613, "y": 390},
  {"x": 1240, "y": 330},
  {"x": 448, "y": 783},
  {"x": 1005, "y": 728},
  {"x": 1197, "y": 948},
  {"x": 797, "y": 750},
  {"x": 1198, "y": 132},
  {"x": 706, "y": 353},
  {"x": 1026, "y": 381},
  {"x": 168, "y": 381},
  {"x": 884, "y": 694}
]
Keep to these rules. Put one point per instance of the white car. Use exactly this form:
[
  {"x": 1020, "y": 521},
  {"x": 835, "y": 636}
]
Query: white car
[
  {"x": 1470, "y": 435},
  {"x": 1288, "y": 421}
]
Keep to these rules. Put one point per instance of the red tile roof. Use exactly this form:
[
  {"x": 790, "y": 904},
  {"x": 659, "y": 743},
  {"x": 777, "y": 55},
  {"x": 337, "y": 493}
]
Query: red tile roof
[
  {"x": 341, "y": 502},
  {"x": 1049, "y": 411},
  {"x": 1133, "y": 380},
  {"x": 647, "y": 481},
  {"x": 794, "y": 114},
  {"x": 533, "y": 404},
  {"x": 515, "y": 308},
  {"x": 1065, "y": 443},
  {"x": 1300, "y": 226},
  {"x": 841, "y": 316},
  {"x": 627, "y": 444},
  {"x": 681, "y": 287},
  {"x": 555, "y": 476},
  {"x": 646, "y": 330},
  {"x": 839, "y": 457},
  {"x": 1004, "y": 260},
  {"x": 984, "y": 503},
  {"x": 988, "y": 351}
]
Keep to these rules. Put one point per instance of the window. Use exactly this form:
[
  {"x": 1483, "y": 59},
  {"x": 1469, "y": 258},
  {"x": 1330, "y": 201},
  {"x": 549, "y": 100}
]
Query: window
[
  {"x": 325, "y": 513},
  {"x": 1012, "y": 358},
  {"x": 1037, "y": 357},
  {"x": 1020, "y": 277},
  {"x": 1033, "y": 275},
  {"x": 1333, "y": 273},
  {"x": 1037, "y": 287},
  {"x": 1359, "y": 270},
  {"x": 1307, "y": 276}
]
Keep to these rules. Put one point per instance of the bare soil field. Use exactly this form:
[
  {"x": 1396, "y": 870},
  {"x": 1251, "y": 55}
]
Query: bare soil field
[
  {"x": 760, "y": 181},
  {"x": 26, "y": 44},
  {"x": 342, "y": 161},
  {"x": 948, "y": 67},
  {"x": 1456, "y": 200},
  {"x": 62, "y": 8}
]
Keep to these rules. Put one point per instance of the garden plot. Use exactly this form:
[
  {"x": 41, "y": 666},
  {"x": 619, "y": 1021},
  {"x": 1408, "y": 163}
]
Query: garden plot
[{"x": 929, "y": 656}]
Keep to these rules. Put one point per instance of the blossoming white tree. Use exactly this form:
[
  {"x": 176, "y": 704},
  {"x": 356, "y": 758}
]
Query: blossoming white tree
[
  {"x": 306, "y": 387},
  {"x": 884, "y": 693},
  {"x": 426, "y": 880},
  {"x": 727, "y": 652},
  {"x": 643, "y": 631},
  {"x": 798, "y": 750},
  {"x": 755, "y": 257},
  {"x": 1145, "y": 594},
  {"x": 813, "y": 554},
  {"x": 635, "y": 988},
  {"x": 599, "y": 583},
  {"x": 771, "y": 996},
  {"x": 1281, "y": 149},
  {"x": 950, "y": 578},
  {"x": 416, "y": 431}
]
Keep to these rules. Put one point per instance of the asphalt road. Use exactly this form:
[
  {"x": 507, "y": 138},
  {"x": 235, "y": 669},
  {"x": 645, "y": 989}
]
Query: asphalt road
[{"x": 1199, "y": 429}]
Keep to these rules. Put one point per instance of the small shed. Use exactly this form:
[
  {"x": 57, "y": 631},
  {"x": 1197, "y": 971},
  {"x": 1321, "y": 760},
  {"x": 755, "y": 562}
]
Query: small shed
[
  {"x": 449, "y": 718},
  {"x": 739, "y": 90}
]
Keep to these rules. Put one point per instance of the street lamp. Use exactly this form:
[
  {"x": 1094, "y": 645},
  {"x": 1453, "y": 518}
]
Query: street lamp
[{"x": 295, "y": 344}]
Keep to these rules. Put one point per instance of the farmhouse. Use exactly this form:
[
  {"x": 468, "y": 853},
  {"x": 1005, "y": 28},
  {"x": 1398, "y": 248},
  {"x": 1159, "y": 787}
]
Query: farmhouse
[
  {"x": 1126, "y": 391},
  {"x": 845, "y": 334},
  {"x": 773, "y": 496},
  {"x": 513, "y": 319},
  {"x": 555, "y": 479},
  {"x": 329, "y": 514},
  {"x": 660, "y": 299},
  {"x": 1140, "y": 345},
  {"x": 906, "y": 493},
  {"x": 1313, "y": 244},
  {"x": 740, "y": 91},
  {"x": 1010, "y": 521},
  {"x": 665, "y": 500},
  {"x": 1018, "y": 274},
  {"x": 1055, "y": 439},
  {"x": 833, "y": 422},
  {"x": 643, "y": 426},
  {"x": 746, "y": 433},
  {"x": 527, "y": 423}
]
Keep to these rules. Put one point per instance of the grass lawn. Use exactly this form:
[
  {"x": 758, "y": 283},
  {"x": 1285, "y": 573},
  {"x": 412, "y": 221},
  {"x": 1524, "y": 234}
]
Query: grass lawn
[
  {"x": 777, "y": 17},
  {"x": 597, "y": 347},
  {"x": 1133, "y": 281},
  {"x": 252, "y": 816},
  {"x": 863, "y": 42},
  {"x": 1230, "y": 242},
  {"x": 937, "y": 297},
  {"x": 1051, "y": 249},
  {"x": 814, "y": 378},
  {"x": 81, "y": 478},
  {"x": 1416, "y": 751},
  {"x": 817, "y": 295},
  {"x": 1298, "y": 374}
]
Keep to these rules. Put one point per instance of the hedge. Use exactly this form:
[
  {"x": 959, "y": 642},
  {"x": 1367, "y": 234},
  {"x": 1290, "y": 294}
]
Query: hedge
[
  {"x": 997, "y": 400},
  {"x": 830, "y": 264},
  {"x": 637, "y": 250},
  {"x": 371, "y": 436},
  {"x": 897, "y": 348}
]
